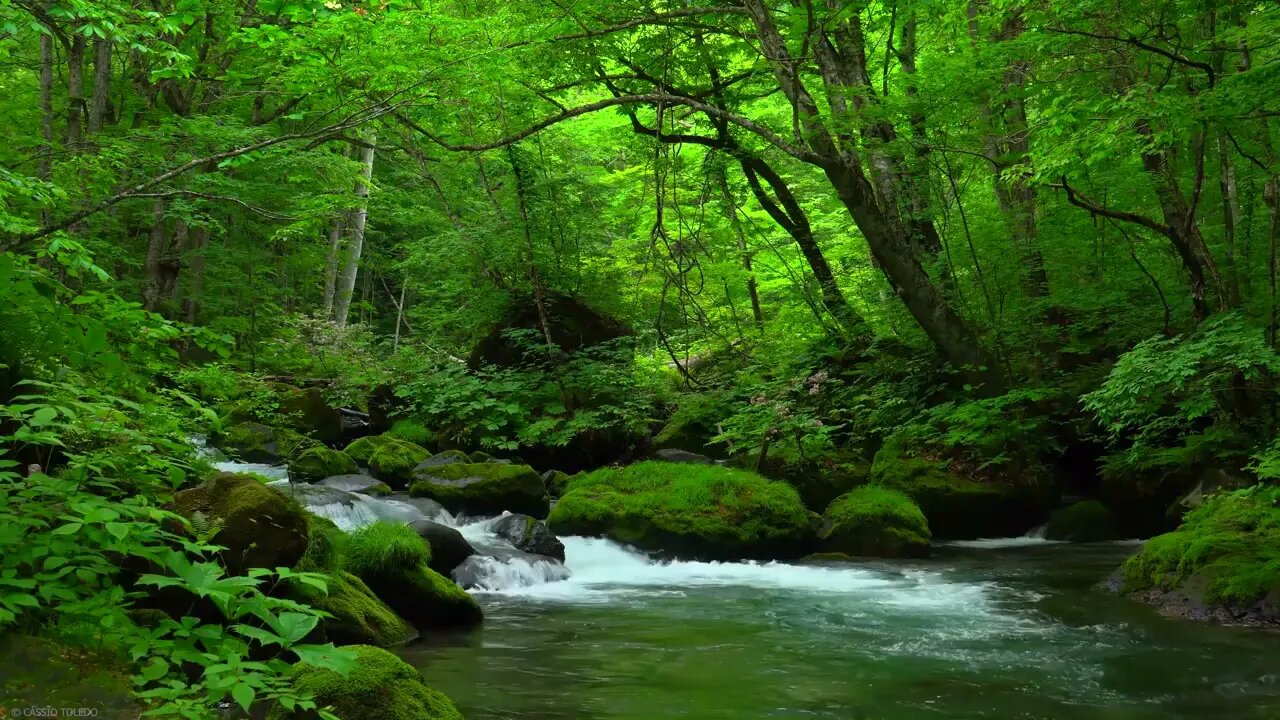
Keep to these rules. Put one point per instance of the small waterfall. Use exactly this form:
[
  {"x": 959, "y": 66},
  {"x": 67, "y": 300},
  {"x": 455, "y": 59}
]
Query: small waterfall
[
  {"x": 489, "y": 573},
  {"x": 350, "y": 510},
  {"x": 219, "y": 460}
]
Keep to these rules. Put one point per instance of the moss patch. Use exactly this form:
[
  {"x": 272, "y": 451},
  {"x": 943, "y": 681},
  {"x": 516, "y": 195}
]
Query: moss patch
[
  {"x": 384, "y": 549},
  {"x": 380, "y": 687},
  {"x": 410, "y": 430},
  {"x": 255, "y": 442},
  {"x": 684, "y": 509},
  {"x": 41, "y": 672},
  {"x": 1227, "y": 550},
  {"x": 318, "y": 463},
  {"x": 361, "y": 449},
  {"x": 875, "y": 520},
  {"x": 394, "y": 460},
  {"x": 482, "y": 488},
  {"x": 359, "y": 617},
  {"x": 259, "y": 526}
]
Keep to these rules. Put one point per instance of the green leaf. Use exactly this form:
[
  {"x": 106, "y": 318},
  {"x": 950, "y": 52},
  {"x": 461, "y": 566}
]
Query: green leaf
[{"x": 243, "y": 694}]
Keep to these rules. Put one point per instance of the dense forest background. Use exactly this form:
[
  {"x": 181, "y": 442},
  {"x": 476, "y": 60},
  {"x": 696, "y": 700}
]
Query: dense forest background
[{"x": 1031, "y": 244}]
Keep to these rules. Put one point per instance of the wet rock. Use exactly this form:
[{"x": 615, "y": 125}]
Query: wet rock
[
  {"x": 357, "y": 483},
  {"x": 514, "y": 569},
  {"x": 530, "y": 535},
  {"x": 674, "y": 455},
  {"x": 482, "y": 488},
  {"x": 448, "y": 547}
]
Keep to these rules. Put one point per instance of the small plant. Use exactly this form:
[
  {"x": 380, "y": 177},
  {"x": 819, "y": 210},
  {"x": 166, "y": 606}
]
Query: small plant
[{"x": 384, "y": 549}]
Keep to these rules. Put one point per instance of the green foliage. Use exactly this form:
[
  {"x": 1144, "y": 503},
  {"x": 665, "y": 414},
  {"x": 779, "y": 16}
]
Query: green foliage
[
  {"x": 384, "y": 549},
  {"x": 410, "y": 430},
  {"x": 702, "y": 509},
  {"x": 1231, "y": 541}
]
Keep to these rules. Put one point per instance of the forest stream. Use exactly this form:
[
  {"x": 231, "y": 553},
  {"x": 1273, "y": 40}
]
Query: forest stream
[{"x": 1009, "y": 628}]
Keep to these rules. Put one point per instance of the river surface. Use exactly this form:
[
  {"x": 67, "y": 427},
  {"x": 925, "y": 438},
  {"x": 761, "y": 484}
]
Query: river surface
[{"x": 1010, "y": 630}]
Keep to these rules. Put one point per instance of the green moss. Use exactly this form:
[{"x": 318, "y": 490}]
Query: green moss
[
  {"x": 361, "y": 449},
  {"x": 875, "y": 520},
  {"x": 394, "y": 460},
  {"x": 479, "y": 456},
  {"x": 482, "y": 487},
  {"x": 555, "y": 482},
  {"x": 380, "y": 687},
  {"x": 384, "y": 549},
  {"x": 410, "y": 430},
  {"x": 258, "y": 525},
  {"x": 1231, "y": 542},
  {"x": 255, "y": 442},
  {"x": 325, "y": 545},
  {"x": 39, "y": 672},
  {"x": 699, "y": 510},
  {"x": 1087, "y": 521},
  {"x": 358, "y": 616},
  {"x": 318, "y": 463},
  {"x": 433, "y": 600}
]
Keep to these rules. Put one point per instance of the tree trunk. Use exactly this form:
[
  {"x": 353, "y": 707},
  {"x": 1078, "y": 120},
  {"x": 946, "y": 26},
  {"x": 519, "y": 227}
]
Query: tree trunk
[
  {"x": 355, "y": 242},
  {"x": 101, "y": 84},
  {"x": 195, "y": 273},
  {"x": 331, "y": 263},
  {"x": 155, "y": 255},
  {"x": 75, "y": 90}
]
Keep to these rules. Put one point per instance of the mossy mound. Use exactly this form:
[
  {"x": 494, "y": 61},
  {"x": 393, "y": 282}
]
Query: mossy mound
[
  {"x": 394, "y": 460},
  {"x": 38, "y": 672},
  {"x": 819, "y": 482},
  {"x": 410, "y": 430},
  {"x": 318, "y": 463},
  {"x": 482, "y": 488},
  {"x": 259, "y": 526},
  {"x": 325, "y": 544},
  {"x": 700, "y": 511},
  {"x": 361, "y": 449},
  {"x": 1086, "y": 521},
  {"x": 958, "y": 507},
  {"x": 877, "y": 521},
  {"x": 358, "y": 616},
  {"x": 392, "y": 560},
  {"x": 380, "y": 687},
  {"x": 255, "y": 442},
  {"x": 555, "y": 482},
  {"x": 1222, "y": 563}
]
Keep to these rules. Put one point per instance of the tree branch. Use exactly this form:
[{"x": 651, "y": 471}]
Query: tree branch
[
  {"x": 1136, "y": 42},
  {"x": 1081, "y": 201}
]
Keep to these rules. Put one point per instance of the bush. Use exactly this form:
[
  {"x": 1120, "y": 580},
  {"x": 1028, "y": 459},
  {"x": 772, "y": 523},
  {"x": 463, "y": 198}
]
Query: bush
[
  {"x": 410, "y": 430},
  {"x": 384, "y": 549}
]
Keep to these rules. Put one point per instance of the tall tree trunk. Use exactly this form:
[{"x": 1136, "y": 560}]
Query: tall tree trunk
[
  {"x": 355, "y": 241},
  {"x": 156, "y": 243},
  {"x": 101, "y": 84},
  {"x": 1230, "y": 217},
  {"x": 331, "y": 263},
  {"x": 45, "y": 168},
  {"x": 195, "y": 273},
  {"x": 731, "y": 210},
  {"x": 75, "y": 90}
]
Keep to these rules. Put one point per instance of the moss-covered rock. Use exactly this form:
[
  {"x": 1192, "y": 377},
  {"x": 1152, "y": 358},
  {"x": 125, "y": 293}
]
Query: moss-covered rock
[
  {"x": 699, "y": 511},
  {"x": 361, "y": 449},
  {"x": 529, "y": 535},
  {"x": 259, "y": 526},
  {"x": 357, "y": 483},
  {"x": 255, "y": 442},
  {"x": 393, "y": 462},
  {"x": 479, "y": 456},
  {"x": 37, "y": 672},
  {"x": 1085, "y": 521},
  {"x": 448, "y": 547},
  {"x": 555, "y": 482},
  {"x": 358, "y": 616},
  {"x": 380, "y": 687},
  {"x": 959, "y": 507},
  {"x": 318, "y": 463},
  {"x": 877, "y": 521},
  {"x": 392, "y": 560},
  {"x": 1222, "y": 563},
  {"x": 325, "y": 543},
  {"x": 306, "y": 410},
  {"x": 448, "y": 457},
  {"x": 482, "y": 488},
  {"x": 819, "y": 481}
]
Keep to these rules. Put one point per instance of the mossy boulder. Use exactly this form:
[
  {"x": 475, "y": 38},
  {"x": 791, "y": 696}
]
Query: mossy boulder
[
  {"x": 876, "y": 521},
  {"x": 306, "y": 410},
  {"x": 959, "y": 507},
  {"x": 361, "y": 449},
  {"x": 448, "y": 457},
  {"x": 479, "y": 456},
  {"x": 356, "y": 483},
  {"x": 1085, "y": 521},
  {"x": 255, "y": 442},
  {"x": 381, "y": 686},
  {"x": 1222, "y": 563},
  {"x": 482, "y": 488},
  {"x": 259, "y": 526},
  {"x": 318, "y": 463},
  {"x": 448, "y": 547},
  {"x": 358, "y": 616},
  {"x": 819, "y": 481},
  {"x": 699, "y": 511},
  {"x": 393, "y": 560},
  {"x": 555, "y": 482},
  {"x": 37, "y": 672},
  {"x": 393, "y": 462}
]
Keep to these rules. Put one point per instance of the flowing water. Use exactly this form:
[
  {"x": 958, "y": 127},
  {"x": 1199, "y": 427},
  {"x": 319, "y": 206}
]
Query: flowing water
[{"x": 1008, "y": 629}]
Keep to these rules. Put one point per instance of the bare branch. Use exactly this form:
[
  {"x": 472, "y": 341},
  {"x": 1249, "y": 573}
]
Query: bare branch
[
  {"x": 1138, "y": 43},
  {"x": 1082, "y": 201},
  {"x": 219, "y": 198}
]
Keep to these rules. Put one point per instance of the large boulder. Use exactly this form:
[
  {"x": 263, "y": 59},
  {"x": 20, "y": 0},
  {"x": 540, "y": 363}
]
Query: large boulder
[
  {"x": 448, "y": 457},
  {"x": 572, "y": 325},
  {"x": 357, "y": 616},
  {"x": 555, "y": 482},
  {"x": 529, "y": 534},
  {"x": 448, "y": 547},
  {"x": 876, "y": 521},
  {"x": 255, "y": 442},
  {"x": 392, "y": 559},
  {"x": 698, "y": 511},
  {"x": 1222, "y": 564},
  {"x": 959, "y": 507},
  {"x": 381, "y": 686},
  {"x": 393, "y": 462},
  {"x": 306, "y": 410},
  {"x": 1085, "y": 521},
  {"x": 318, "y": 463},
  {"x": 361, "y": 449},
  {"x": 259, "y": 526},
  {"x": 482, "y": 488}
]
